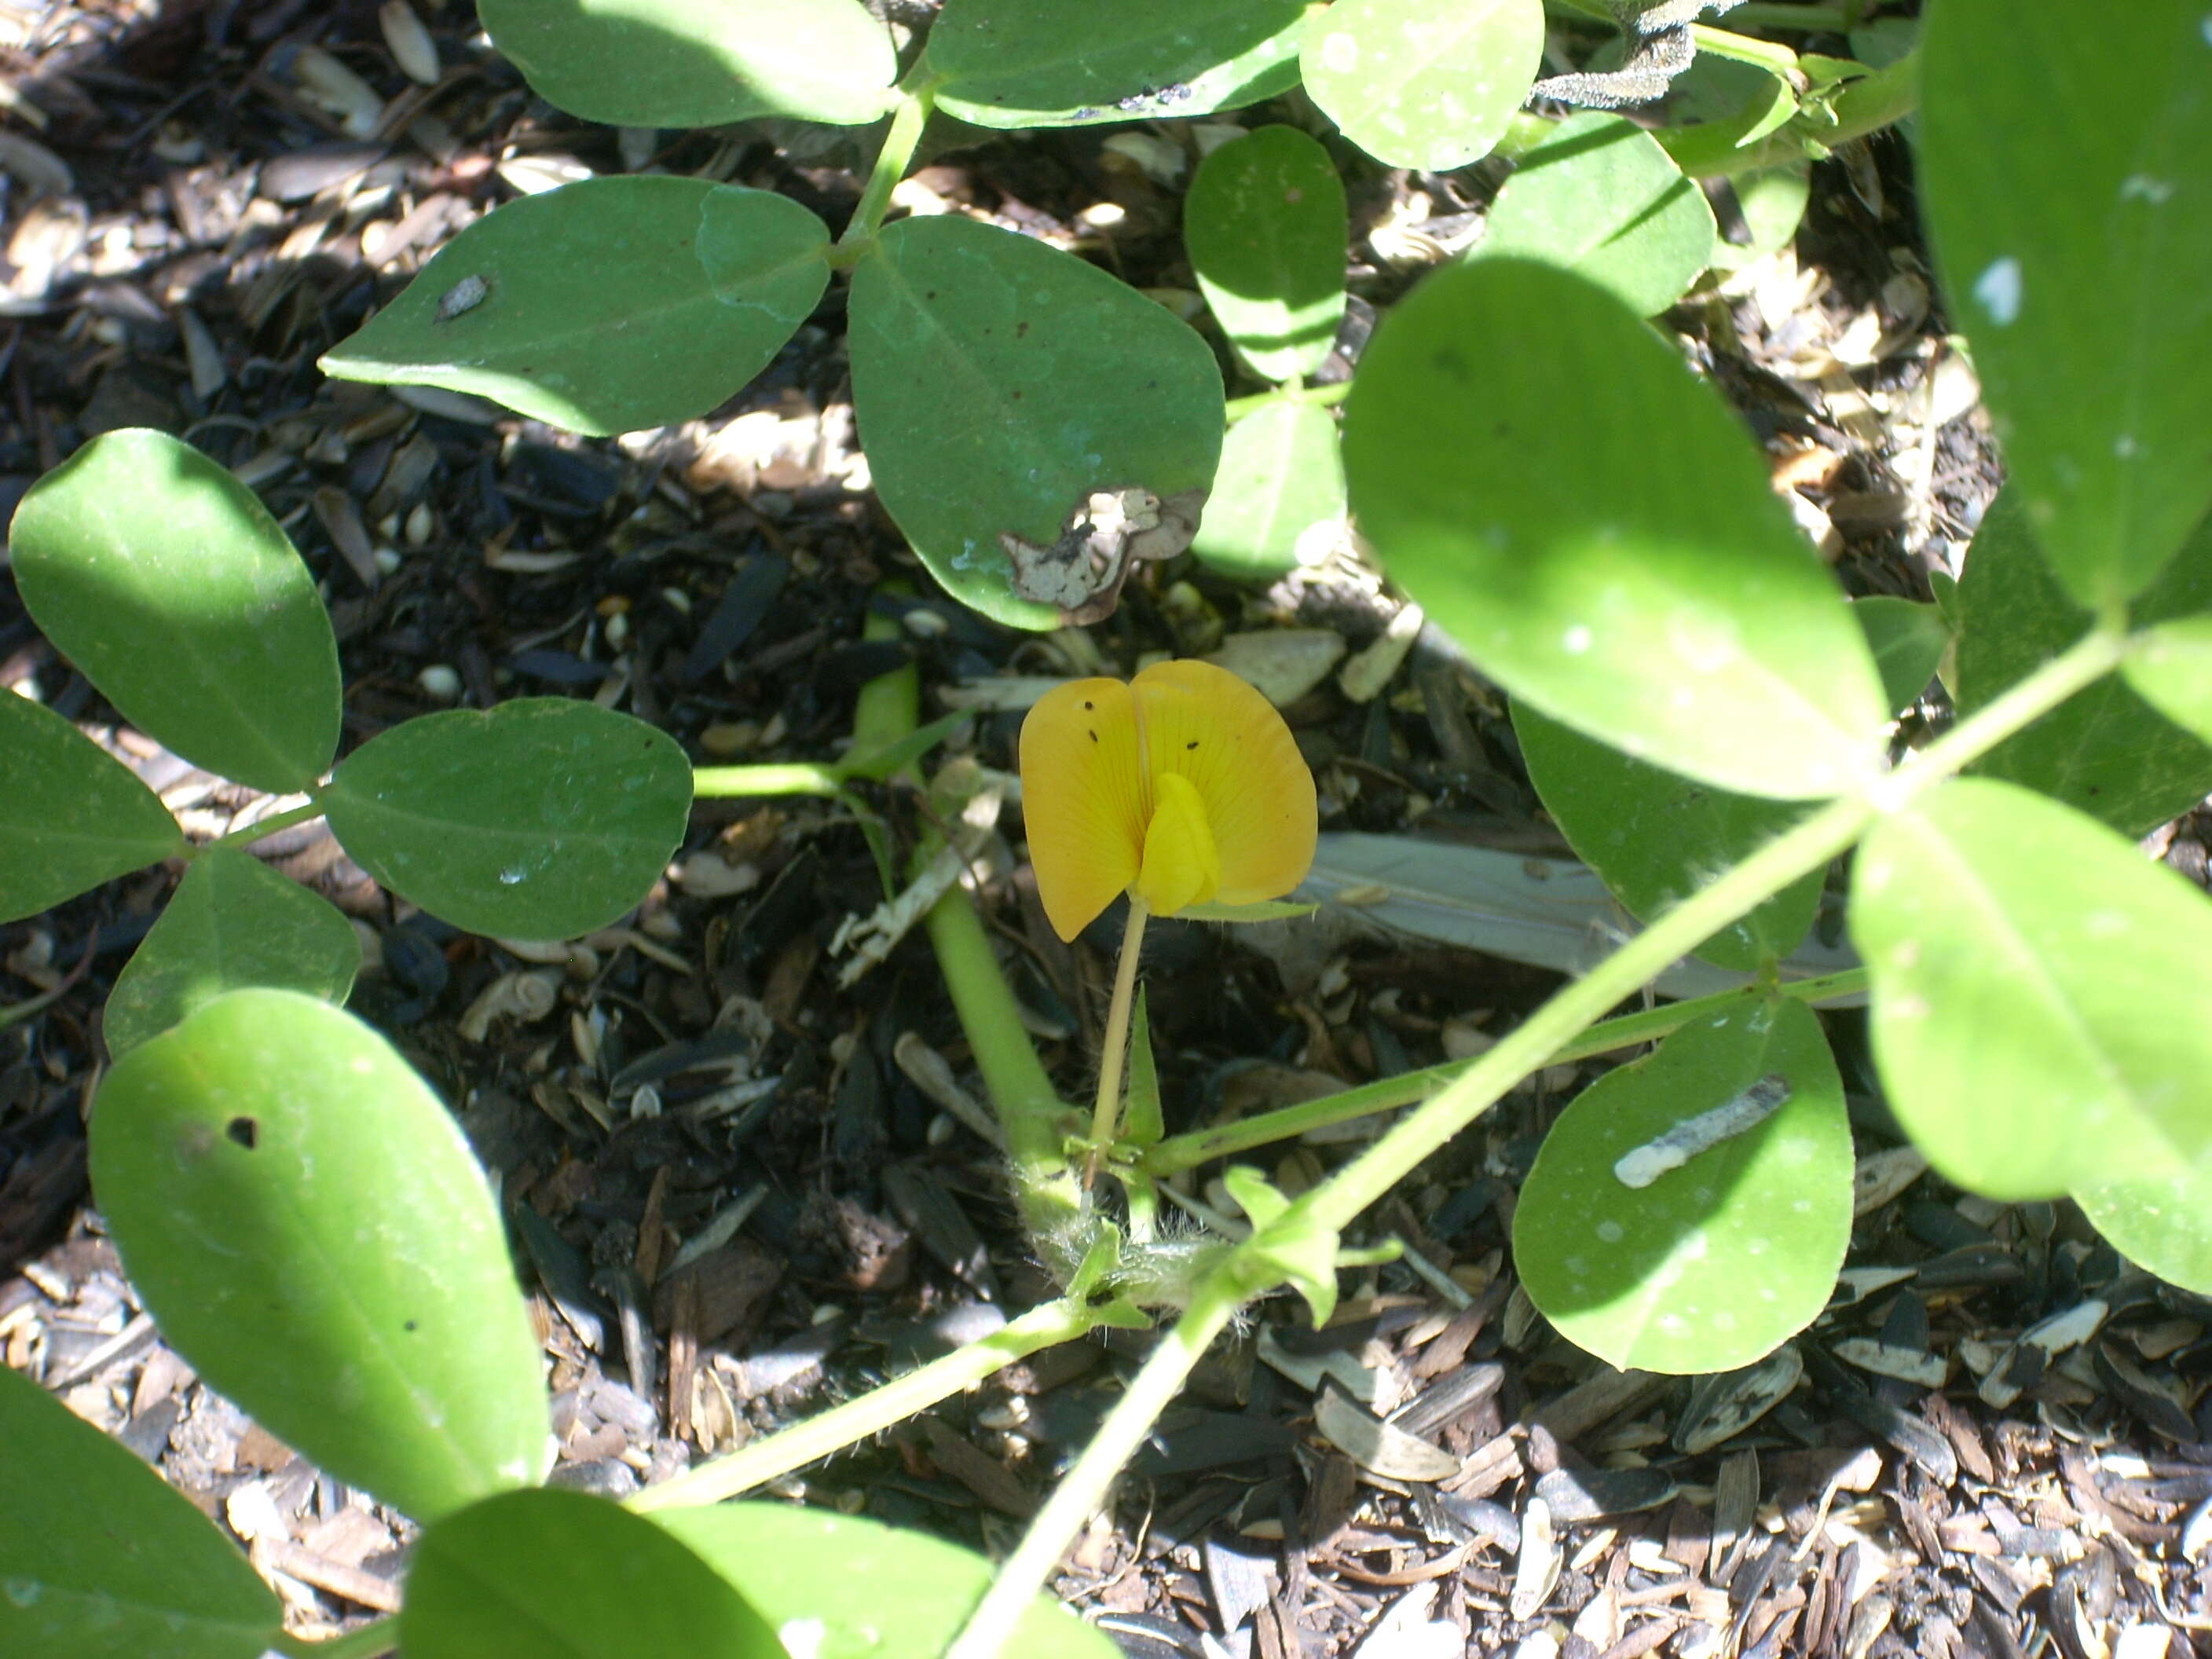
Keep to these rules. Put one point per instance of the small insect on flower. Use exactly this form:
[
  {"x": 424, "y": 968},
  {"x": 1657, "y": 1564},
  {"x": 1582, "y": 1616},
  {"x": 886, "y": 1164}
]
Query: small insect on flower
[{"x": 1182, "y": 786}]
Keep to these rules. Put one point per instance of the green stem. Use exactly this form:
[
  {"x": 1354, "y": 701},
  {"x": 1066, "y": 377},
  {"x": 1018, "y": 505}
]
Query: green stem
[
  {"x": 873, "y": 1412},
  {"x": 1084, "y": 1487},
  {"x": 778, "y": 778},
  {"x": 908, "y": 120},
  {"x": 1188, "y": 1152},
  {"x": 1322, "y": 396},
  {"x": 1879, "y": 98},
  {"x": 1806, "y": 847},
  {"x": 366, "y": 1643},
  {"x": 308, "y": 812},
  {"x": 1106, "y": 1114}
]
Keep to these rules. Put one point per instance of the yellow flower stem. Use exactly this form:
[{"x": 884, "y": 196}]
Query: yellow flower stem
[{"x": 1106, "y": 1116}]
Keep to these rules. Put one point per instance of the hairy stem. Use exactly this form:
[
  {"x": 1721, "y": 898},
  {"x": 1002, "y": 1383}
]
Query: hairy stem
[{"x": 878, "y": 1409}]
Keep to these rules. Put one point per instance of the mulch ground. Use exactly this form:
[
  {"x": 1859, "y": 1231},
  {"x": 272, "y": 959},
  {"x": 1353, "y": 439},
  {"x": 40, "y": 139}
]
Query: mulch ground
[{"x": 737, "y": 1192}]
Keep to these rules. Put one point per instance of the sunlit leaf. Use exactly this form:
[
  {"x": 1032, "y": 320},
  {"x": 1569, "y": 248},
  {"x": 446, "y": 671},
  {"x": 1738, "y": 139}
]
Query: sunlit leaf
[
  {"x": 2163, "y": 1223},
  {"x": 166, "y": 581},
  {"x": 1281, "y": 473},
  {"x": 1264, "y": 226},
  {"x": 1423, "y": 83},
  {"x": 303, "y": 1219}
]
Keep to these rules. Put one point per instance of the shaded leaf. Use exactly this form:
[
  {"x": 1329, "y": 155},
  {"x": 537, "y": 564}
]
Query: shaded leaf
[
  {"x": 1041, "y": 63},
  {"x": 1424, "y": 83},
  {"x": 604, "y": 306},
  {"x": 163, "y": 578},
  {"x": 2104, "y": 750},
  {"x": 987, "y": 417},
  {"x": 233, "y": 922},
  {"x": 305, "y": 1221},
  {"x": 1264, "y": 226},
  {"x": 1542, "y": 473},
  {"x": 542, "y": 819},
  {"x": 848, "y": 1588},
  {"x": 2075, "y": 252},
  {"x": 698, "y": 63},
  {"x": 1142, "y": 1122},
  {"x": 71, "y": 815},
  {"x": 1656, "y": 837},
  {"x": 1720, "y": 1258},
  {"x": 2034, "y": 1014},
  {"x": 2172, "y": 669},
  {"x": 1281, "y": 473},
  {"x": 583, "y": 1577},
  {"x": 1600, "y": 197},
  {"x": 1908, "y": 640},
  {"x": 100, "y": 1559}
]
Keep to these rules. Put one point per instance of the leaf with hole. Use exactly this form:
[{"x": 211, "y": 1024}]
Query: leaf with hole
[
  {"x": 1656, "y": 837},
  {"x": 233, "y": 922},
  {"x": 1265, "y": 227},
  {"x": 1544, "y": 475},
  {"x": 541, "y": 819},
  {"x": 698, "y": 63},
  {"x": 1044, "y": 63},
  {"x": 995, "y": 429},
  {"x": 606, "y": 306},
  {"x": 1424, "y": 83},
  {"x": 480, "y": 1578},
  {"x": 1908, "y": 640},
  {"x": 843, "y": 1587},
  {"x": 71, "y": 815},
  {"x": 1600, "y": 197},
  {"x": 303, "y": 1219},
  {"x": 2075, "y": 254},
  {"x": 1729, "y": 1242},
  {"x": 2034, "y": 1011},
  {"x": 2104, "y": 751},
  {"x": 163, "y": 578},
  {"x": 101, "y": 1558},
  {"x": 1281, "y": 473}
]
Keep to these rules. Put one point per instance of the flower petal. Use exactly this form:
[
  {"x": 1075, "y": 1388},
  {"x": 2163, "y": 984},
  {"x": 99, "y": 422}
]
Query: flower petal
[
  {"x": 1084, "y": 800},
  {"x": 1209, "y": 725},
  {"x": 1181, "y": 864}
]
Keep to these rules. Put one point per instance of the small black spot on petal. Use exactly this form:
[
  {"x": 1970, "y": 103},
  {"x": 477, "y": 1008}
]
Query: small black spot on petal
[
  {"x": 1094, "y": 737},
  {"x": 243, "y": 1130},
  {"x": 1087, "y": 707},
  {"x": 1193, "y": 744}
]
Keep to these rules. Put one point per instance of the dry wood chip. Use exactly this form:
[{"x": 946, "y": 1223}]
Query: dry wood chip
[
  {"x": 728, "y": 1288},
  {"x": 354, "y": 1584},
  {"x": 1379, "y": 1447},
  {"x": 1599, "y": 1399},
  {"x": 1913, "y": 1365},
  {"x": 1721, "y": 1406},
  {"x": 1536, "y": 1570},
  {"x": 976, "y": 1469}
]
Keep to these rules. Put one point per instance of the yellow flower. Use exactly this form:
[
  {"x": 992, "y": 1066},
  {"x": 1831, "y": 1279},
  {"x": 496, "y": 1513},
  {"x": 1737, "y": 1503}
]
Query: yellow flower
[{"x": 1182, "y": 786}]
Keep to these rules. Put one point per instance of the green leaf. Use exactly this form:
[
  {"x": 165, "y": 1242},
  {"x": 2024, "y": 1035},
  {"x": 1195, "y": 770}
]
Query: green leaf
[
  {"x": 233, "y": 922},
  {"x": 542, "y": 819},
  {"x": 2075, "y": 250},
  {"x": 1265, "y": 227},
  {"x": 604, "y": 306},
  {"x": 305, "y": 1221},
  {"x": 166, "y": 581},
  {"x": 1908, "y": 640},
  {"x": 1656, "y": 837},
  {"x": 1772, "y": 205},
  {"x": 698, "y": 63},
  {"x": 2104, "y": 750},
  {"x": 560, "y": 1575},
  {"x": 100, "y": 1559},
  {"x": 878, "y": 762},
  {"x": 1600, "y": 197},
  {"x": 2161, "y": 1223},
  {"x": 1142, "y": 1123},
  {"x": 1424, "y": 83},
  {"x": 1542, "y": 473},
  {"x": 837, "y": 1587},
  {"x": 71, "y": 815},
  {"x": 1262, "y": 1204},
  {"x": 1726, "y": 1255},
  {"x": 1000, "y": 384},
  {"x": 2035, "y": 1011},
  {"x": 1281, "y": 473},
  {"x": 1041, "y": 63},
  {"x": 1263, "y": 910},
  {"x": 2172, "y": 669}
]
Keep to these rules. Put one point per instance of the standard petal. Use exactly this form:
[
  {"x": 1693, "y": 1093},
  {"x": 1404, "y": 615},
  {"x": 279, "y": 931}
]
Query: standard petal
[
  {"x": 1083, "y": 799},
  {"x": 1211, "y": 726},
  {"x": 1182, "y": 865}
]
